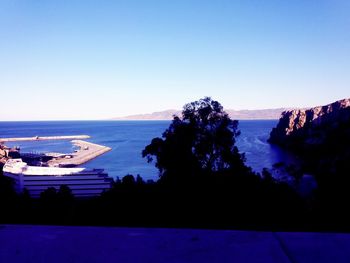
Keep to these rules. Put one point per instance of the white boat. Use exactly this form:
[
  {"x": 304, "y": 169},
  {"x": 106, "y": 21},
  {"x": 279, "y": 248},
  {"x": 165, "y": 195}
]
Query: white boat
[{"x": 36, "y": 179}]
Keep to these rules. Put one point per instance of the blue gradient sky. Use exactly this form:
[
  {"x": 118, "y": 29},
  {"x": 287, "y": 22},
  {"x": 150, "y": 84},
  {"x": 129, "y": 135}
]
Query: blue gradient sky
[{"x": 100, "y": 59}]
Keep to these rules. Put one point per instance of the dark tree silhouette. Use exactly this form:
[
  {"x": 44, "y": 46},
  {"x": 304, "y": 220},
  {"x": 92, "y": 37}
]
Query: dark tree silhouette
[
  {"x": 201, "y": 142},
  {"x": 128, "y": 180},
  {"x": 65, "y": 194},
  {"x": 49, "y": 194}
]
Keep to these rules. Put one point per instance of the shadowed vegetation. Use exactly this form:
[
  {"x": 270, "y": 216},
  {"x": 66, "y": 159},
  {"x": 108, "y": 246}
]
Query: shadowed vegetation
[{"x": 203, "y": 183}]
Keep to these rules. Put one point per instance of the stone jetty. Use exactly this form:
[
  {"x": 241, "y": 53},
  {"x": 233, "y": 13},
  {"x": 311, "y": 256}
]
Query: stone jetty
[
  {"x": 42, "y": 138},
  {"x": 87, "y": 151}
]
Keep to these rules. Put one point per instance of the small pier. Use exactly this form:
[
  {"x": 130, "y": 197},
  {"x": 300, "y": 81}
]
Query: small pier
[
  {"x": 87, "y": 151},
  {"x": 43, "y": 138}
]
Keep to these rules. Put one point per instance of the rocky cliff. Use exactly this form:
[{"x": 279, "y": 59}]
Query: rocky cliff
[
  {"x": 320, "y": 136},
  {"x": 311, "y": 126}
]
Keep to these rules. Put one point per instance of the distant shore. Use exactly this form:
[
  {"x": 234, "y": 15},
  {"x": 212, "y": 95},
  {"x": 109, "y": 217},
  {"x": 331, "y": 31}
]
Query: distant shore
[{"x": 265, "y": 114}]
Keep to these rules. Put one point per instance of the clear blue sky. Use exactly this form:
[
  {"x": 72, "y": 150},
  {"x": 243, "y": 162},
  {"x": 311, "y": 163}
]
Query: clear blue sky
[{"x": 100, "y": 59}]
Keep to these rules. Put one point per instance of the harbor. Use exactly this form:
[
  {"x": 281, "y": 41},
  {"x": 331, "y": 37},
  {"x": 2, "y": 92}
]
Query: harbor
[
  {"x": 36, "y": 172},
  {"x": 86, "y": 150}
]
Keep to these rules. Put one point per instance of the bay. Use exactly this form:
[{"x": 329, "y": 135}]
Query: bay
[{"x": 128, "y": 138}]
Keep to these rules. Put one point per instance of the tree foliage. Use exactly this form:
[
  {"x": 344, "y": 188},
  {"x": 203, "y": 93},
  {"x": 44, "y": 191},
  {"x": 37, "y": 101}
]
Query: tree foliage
[{"x": 202, "y": 141}]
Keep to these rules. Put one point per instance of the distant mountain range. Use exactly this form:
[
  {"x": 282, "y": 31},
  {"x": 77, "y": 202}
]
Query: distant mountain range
[{"x": 265, "y": 114}]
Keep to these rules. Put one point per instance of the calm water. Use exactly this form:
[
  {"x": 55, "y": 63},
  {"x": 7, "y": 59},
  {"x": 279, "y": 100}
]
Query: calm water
[{"x": 128, "y": 138}]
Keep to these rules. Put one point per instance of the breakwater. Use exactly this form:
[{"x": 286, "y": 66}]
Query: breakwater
[
  {"x": 87, "y": 151},
  {"x": 42, "y": 138}
]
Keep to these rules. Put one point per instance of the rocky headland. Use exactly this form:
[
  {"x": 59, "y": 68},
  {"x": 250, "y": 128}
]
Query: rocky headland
[
  {"x": 310, "y": 126},
  {"x": 320, "y": 136}
]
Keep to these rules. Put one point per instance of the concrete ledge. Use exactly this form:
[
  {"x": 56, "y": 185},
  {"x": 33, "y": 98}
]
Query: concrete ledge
[{"x": 25, "y": 243}]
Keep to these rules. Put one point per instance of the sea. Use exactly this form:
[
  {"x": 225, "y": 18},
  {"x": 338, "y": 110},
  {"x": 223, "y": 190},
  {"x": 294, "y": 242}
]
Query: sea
[{"x": 128, "y": 138}]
